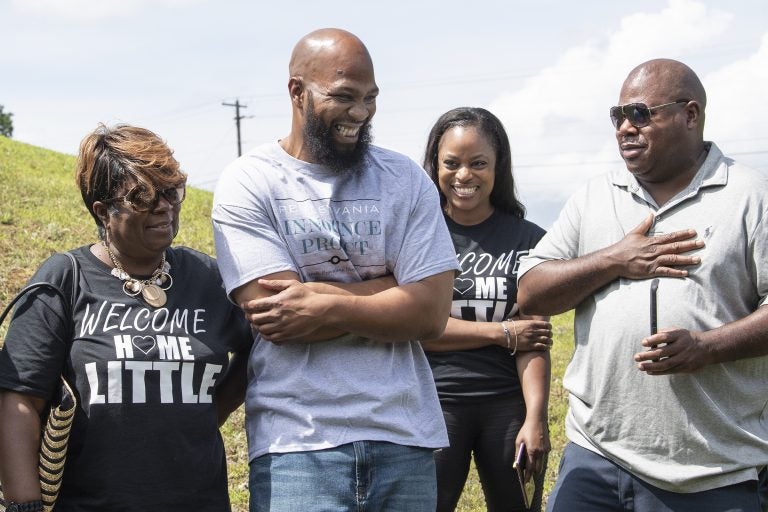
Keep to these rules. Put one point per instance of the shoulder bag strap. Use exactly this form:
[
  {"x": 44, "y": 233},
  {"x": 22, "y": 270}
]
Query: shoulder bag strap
[{"x": 68, "y": 304}]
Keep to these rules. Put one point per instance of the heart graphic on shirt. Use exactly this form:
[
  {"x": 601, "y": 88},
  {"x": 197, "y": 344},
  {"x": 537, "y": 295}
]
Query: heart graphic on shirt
[
  {"x": 144, "y": 343},
  {"x": 462, "y": 285}
]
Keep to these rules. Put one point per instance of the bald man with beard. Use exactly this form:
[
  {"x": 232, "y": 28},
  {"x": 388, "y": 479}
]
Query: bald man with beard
[
  {"x": 338, "y": 253},
  {"x": 674, "y": 420}
]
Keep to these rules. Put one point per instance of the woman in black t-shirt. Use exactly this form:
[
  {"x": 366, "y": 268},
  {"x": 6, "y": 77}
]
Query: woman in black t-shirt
[
  {"x": 491, "y": 366},
  {"x": 149, "y": 356}
]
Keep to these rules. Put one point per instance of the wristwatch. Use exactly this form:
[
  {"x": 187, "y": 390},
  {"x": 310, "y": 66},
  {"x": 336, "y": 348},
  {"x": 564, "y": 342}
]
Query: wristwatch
[{"x": 30, "y": 506}]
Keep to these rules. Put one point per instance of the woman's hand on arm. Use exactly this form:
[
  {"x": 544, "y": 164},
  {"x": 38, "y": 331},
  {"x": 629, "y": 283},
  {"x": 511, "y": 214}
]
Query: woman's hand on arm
[
  {"x": 529, "y": 333},
  {"x": 20, "y": 445},
  {"x": 533, "y": 333}
]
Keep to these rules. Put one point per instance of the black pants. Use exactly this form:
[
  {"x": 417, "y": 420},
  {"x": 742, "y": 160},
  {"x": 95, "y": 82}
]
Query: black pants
[{"x": 486, "y": 429}]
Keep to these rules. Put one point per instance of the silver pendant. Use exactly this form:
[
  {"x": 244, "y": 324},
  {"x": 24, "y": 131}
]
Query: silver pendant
[{"x": 154, "y": 295}]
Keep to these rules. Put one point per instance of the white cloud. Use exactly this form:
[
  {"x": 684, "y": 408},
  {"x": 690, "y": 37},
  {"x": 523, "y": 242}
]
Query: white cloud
[
  {"x": 92, "y": 9},
  {"x": 736, "y": 112},
  {"x": 558, "y": 121}
]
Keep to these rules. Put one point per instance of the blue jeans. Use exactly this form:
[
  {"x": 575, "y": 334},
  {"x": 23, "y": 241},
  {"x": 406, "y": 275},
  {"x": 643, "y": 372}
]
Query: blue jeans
[
  {"x": 588, "y": 482},
  {"x": 362, "y": 476}
]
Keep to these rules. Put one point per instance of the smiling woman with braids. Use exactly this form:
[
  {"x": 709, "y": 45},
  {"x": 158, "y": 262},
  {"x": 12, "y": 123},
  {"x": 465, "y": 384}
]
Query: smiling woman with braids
[{"x": 149, "y": 355}]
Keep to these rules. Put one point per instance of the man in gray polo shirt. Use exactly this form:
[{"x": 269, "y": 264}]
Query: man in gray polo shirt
[{"x": 678, "y": 420}]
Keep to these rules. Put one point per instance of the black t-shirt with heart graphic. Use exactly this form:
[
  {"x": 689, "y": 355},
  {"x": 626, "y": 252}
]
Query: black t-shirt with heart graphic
[
  {"x": 485, "y": 291},
  {"x": 145, "y": 435}
]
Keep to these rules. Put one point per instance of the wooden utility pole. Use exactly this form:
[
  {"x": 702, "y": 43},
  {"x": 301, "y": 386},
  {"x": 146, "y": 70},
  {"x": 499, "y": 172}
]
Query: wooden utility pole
[{"x": 238, "y": 117}]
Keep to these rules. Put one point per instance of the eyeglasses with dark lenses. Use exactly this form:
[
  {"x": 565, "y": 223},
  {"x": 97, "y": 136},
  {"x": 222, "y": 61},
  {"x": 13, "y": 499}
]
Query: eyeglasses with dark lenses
[
  {"x": 638, "y": 114},
  {"x": 138, "y": 197}
]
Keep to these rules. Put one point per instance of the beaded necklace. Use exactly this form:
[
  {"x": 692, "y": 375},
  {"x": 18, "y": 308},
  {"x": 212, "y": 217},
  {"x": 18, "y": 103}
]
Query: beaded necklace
[{"x": 152, "y": 289}]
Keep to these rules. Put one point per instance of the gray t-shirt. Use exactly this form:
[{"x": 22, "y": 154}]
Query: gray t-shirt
[
  {"x": 274, "y": 213},
  {"x": 683, "y": 432}
]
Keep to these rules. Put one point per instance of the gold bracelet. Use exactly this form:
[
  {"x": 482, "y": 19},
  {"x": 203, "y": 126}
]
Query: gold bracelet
[{"x": 515, "y": 330}]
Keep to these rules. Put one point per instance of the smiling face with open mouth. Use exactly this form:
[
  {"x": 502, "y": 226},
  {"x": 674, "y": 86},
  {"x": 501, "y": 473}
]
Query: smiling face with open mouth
[
  {"x": 466, "y": 173},
  {"x": 339, "y": 103},
  {"x": 340, "y": 146}
]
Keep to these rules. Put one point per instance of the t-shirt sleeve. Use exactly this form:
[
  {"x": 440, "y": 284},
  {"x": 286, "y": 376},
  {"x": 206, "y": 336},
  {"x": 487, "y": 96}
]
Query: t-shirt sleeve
[
  {"x": 427, "y": 248},
  {"x": 248, "y": 245},
  {"x": 559, "y": 243},
  {"x": 238, "y": 328},
  {"x": 758, "y": 256},
  {"x": 36, "y": 343}
]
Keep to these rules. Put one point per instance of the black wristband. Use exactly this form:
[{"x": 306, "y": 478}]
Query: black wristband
[{"x": 29, "y": 506}]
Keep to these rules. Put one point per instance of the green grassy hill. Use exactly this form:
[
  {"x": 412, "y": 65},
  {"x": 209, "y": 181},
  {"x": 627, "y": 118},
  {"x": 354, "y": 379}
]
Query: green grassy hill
[{"x": 41, "y": 213}]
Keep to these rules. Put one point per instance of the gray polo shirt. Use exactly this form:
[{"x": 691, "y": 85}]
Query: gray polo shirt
[{"x": 684, "y": 432}]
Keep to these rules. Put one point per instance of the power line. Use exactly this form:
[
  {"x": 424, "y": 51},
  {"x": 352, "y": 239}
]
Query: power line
[{"x": 178, "y": 113}]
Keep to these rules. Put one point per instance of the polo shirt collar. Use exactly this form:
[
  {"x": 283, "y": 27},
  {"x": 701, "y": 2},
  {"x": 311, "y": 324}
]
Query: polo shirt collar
[{"x": 713, "y": 172}]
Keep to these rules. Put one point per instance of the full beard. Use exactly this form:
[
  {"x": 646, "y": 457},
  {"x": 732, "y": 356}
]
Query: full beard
[{"x": 319, "y": 142}]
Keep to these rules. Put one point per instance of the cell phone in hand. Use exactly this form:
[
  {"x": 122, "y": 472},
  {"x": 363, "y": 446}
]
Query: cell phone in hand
[
  {"x": 654, "y": 306},
  {"x": 654, "y": 314},
  {"x": 527, "y": 488}
]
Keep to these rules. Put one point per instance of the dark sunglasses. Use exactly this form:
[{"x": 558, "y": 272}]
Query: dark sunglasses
[
  {"x": 137, "y": 198},
  {"x": 638, "y": 114}
]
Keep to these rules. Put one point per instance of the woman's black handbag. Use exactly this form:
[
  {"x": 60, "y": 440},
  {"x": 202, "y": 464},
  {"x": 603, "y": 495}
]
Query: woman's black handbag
[{"x": 55, "y": 433}]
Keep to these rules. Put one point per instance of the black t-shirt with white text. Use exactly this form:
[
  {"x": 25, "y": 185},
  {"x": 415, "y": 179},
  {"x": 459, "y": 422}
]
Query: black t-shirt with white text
[
  {"x": 485, "y": 291},
  {"x": 145, "y": 435}
]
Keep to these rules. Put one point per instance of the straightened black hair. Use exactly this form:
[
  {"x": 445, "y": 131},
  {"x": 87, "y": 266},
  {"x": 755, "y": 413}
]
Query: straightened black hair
[{"x": 503, "y": 196}]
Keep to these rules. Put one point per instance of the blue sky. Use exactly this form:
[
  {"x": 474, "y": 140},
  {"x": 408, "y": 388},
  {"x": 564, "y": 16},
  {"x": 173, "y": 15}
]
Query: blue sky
[{"x": 549, "y": 69}]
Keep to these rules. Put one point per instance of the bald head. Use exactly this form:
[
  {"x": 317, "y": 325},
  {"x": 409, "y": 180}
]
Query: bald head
[
  {"x": 673, "y": 78},
  {"x": 333, "y": 96},
  {"x": 667, "y": 148},
  {"x": 327, "y": 52}
]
